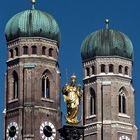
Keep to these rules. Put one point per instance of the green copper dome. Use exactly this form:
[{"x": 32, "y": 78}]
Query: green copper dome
[
  {"x": 32, "y": 23},
  {"x": 106, "y": 42}
]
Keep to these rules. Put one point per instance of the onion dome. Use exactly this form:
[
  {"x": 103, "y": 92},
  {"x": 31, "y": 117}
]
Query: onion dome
[
  {"x": 106, "y": 42},
  {"x": 32, "y": 23}
]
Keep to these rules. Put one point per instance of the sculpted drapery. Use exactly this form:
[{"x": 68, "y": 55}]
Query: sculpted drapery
[{"x": 72, "y": 96}]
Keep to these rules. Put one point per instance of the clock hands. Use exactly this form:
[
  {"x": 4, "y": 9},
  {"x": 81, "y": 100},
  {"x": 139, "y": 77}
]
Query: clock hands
[
  {"x": 12, "y": 130},
  {"x": 49, "y": 130},
  {"x": 46, "y": 128}
]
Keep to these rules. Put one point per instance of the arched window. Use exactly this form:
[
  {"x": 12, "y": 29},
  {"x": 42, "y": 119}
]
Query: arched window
[
  {"x": 126, "y": 70},
  {"x": 87, "y": 72},
  {"x": 34, "y": 50},
  {"x": 111, "y": 68},
  {"x": 50, "y": 52},
  {"x": 92, "y": 102},
  {"x": 120, "y": 69},
  {"x": 11, "y": 54},
  {"x": 15, "y": 85},
  {"x": 93, "y": 70},
  {"x": 16, "y": 51},
  {"x": 43, "y": 50},
  {"x": 102, "y": 68},
  {"x": 25, "y": 50},
  {"x": 45, "y": 86},
  {"x": 122, "y": 101}
]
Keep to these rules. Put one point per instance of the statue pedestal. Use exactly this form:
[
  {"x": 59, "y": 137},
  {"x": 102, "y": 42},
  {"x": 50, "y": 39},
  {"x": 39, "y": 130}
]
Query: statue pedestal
[{"x": 71, "y": 132}]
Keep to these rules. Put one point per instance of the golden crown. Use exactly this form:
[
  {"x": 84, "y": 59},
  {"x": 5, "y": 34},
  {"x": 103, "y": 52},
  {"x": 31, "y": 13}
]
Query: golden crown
[{"x": 73, "y": 76}]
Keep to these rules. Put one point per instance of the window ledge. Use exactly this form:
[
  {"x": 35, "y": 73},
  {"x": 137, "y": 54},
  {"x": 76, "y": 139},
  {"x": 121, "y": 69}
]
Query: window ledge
[
  {"x": 102, "y": 73},
  {"x": 110, "y": 73},
  {"x": 123, "y": 115},
  {"x": 13, "y": 100},
  {"x": 33, "y": 54},
  {"x": 11, "y": 59},
  {"x": 51, "y": 57},
  {"x": 43, "y": 55},
  {"x": 90, "y": 117},
  {"x": 47, "y": 100},
  {"x": 86, "y": 77}
]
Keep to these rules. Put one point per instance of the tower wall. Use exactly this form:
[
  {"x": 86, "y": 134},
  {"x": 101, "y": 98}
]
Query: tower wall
[
  {"x": 107, "y": 122},
  {"x": 30, "y": 111}
]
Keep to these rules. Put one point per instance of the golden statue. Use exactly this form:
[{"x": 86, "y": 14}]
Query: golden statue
[{"x": 72, "y": 96}]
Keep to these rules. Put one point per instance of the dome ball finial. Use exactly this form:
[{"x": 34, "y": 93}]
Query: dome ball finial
[
  {"x": 33, "y": 4},
  {"x": 107, "y": 23},
  {"x": 33, "y": 1}
]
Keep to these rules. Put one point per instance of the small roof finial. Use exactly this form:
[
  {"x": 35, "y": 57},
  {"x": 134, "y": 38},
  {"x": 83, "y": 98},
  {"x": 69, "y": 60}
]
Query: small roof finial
[
  {"x": 107, "y": 23},
  {"x": 33, "y": 4}
]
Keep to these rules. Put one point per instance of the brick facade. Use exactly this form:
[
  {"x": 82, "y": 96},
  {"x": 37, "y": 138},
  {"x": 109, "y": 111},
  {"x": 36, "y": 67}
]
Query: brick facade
[
  {"x": 30, "y": 109},
  {"x": 108, "y": 123}
]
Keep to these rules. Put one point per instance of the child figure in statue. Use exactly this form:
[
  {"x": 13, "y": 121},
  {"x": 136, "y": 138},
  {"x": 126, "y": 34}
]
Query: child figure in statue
[{"x": 72, "y": 96}]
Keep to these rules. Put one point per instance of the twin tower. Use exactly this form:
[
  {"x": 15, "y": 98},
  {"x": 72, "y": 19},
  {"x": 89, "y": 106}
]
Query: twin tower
[{"x": 32, "y": 81}]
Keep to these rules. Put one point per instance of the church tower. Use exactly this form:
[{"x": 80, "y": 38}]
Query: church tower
[
  {"x": 108, "y": 100},
  {"x": 32, "y": 98}
]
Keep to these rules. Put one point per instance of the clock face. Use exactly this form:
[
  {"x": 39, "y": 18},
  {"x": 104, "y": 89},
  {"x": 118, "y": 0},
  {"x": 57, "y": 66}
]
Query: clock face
[
  {"x": 12, "y": 131},
  {"x": 47, "y": 131},
  {"x": 123, "y": 137}
]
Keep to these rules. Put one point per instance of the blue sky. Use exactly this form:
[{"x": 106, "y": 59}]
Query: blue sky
[{"x": 76, "y": 19}]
